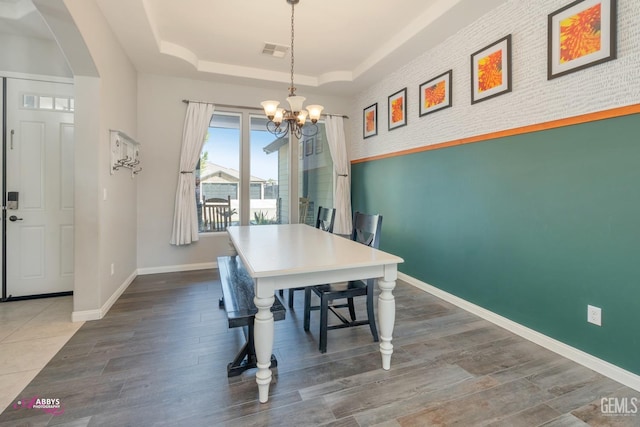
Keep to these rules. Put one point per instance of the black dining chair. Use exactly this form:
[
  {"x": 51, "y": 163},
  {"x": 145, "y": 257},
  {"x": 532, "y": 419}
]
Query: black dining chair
[
  {"x": 366, "y": 230},
  {"x": 324, "y": 221}
]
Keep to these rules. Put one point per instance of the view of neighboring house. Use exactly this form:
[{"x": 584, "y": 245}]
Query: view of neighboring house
[{"x": 221, "y": 182}]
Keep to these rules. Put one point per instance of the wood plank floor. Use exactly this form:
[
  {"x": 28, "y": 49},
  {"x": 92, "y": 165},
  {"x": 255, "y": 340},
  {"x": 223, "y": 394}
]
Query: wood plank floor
[{"x": 159, "y": 359}]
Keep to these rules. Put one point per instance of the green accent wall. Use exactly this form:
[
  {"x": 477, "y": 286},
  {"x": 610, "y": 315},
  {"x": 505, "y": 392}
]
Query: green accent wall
[{"x": 532, "y": 227}]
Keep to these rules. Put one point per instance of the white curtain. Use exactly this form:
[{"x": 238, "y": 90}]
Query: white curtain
[
  {"x": 334, "y": 127},
  {"x": 185, "y": 217}
]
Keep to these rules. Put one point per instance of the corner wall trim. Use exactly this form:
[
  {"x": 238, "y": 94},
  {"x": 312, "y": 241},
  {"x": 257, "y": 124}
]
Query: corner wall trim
[
  {"x": 82, "y": 316},
  {"x": 603, "y": 367},
  {"x": 176, "y": 268}
]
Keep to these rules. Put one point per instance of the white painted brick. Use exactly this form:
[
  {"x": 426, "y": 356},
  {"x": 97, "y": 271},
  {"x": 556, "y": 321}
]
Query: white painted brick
[{"x": 534, "y": 99}]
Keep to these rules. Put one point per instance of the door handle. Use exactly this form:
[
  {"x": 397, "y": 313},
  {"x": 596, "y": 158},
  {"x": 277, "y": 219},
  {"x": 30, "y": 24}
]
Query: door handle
[
  {"x": 14, "y": 218},
  {"x": 12, "y": 132}
]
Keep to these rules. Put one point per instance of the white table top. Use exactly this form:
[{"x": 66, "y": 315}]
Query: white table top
[{"x": 285, "y": 249}]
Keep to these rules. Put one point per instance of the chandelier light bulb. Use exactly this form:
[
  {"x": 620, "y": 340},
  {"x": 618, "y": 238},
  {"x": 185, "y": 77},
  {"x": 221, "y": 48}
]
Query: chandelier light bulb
[
  {"x": 270, "y": 108},
  {"x": 314, "y": 112},
  {"x": 302, "y": 117},
  {"x": 279, "y": 115}
]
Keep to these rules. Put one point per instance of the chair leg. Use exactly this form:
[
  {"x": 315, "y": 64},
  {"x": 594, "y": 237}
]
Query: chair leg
[
  {"x": 352, "y": 309},
  {"x": 324, "y": 314},
  {"x": 307, "y": 308},
  {"x": 291, "y": 291},
  {"x": 370, "y": 313},
  {"x": 281, "y": 291}
]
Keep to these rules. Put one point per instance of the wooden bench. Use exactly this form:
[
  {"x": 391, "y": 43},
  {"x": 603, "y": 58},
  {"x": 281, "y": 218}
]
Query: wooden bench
[{"x": 237, "y": 300}]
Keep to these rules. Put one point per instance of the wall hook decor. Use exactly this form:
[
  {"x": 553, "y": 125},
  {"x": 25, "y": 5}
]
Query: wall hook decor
[{"x": 125, "y": 153}]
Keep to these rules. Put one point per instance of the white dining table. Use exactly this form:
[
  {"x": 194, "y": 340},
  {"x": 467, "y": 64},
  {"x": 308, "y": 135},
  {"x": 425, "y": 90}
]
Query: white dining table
[{"x": 295, "y": 255}]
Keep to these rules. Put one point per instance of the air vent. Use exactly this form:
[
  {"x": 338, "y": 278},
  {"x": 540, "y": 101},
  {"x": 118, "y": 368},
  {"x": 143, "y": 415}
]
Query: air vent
[{"x": 275, "y": 50}]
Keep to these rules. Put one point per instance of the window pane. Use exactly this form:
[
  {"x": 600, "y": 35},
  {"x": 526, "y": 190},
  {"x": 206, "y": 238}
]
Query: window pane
[
  {"x": 62, "y": 104},
  {"x": 269, "y": 175},
  {"x": 315, "y": 174},
  {"x": 218, "y": 176},
  {"x": 29, "y": 101},
  {"x": 46, "y": 102}
]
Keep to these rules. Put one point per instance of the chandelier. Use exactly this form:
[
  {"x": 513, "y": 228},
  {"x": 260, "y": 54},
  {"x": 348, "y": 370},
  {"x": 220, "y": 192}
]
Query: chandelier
[{"x": 283, "y": 122}]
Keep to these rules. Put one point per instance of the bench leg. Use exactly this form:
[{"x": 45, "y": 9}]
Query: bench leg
[{"x": 246, "y": 357}]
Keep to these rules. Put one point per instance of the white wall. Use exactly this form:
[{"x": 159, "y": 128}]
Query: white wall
[
  {"x": 538, "y": 100},
  {"x": 32, "y": 56},
  {"x": 105, "y": 229},
  {"x": 160, "y": 122}
]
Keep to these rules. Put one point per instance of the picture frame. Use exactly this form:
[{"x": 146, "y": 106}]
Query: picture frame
[
  {"x": 491, "y": 70},
  {"x": 580, "y": 35},
  {"x": 435, "y": 94},
  {"x": 370, "y": 121},
  {"x": 308, "y": 146},
  {"x": 397, "y": 109},
  {"x": 318, "y": 145}
]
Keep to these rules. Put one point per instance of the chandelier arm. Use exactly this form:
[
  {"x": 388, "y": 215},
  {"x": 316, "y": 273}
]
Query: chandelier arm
[{"x": 279, "y": 131}]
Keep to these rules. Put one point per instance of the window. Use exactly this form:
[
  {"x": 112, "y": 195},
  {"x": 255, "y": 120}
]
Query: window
[
  {"x": 315, "y": 174},
  {"x": 269, "y": 174},
  {"x": 262, "y": 172},
  {"x": 218, "y": 173},
  {"x": 41, "y": 102}
]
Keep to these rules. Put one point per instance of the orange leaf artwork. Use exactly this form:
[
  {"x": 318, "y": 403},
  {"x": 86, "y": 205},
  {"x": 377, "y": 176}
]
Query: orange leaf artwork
[
  {"x": 397, "y": 115},
  {"x": 434, "y": 95},
  {"x": 490, "y": 71},
  {"x": 370, "y": 122},
  {"x": 580, "y": 34}
]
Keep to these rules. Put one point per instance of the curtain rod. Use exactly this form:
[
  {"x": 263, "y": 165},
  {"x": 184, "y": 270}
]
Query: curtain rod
[{"x": 244, "y": 107}]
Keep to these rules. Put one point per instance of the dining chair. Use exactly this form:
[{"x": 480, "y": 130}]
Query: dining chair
[
  {"x": 217, "y": 214},
  {"x": 366, "y": 230},
  {"x": 324, "y": 221}
]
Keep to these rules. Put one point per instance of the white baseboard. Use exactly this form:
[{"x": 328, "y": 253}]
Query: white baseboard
[
  {"x": 603, "y": 367},
  {"x": 85, "y": 315},
  {"x": 82, "y": 316},
  {"x": 175, "y": 268}
]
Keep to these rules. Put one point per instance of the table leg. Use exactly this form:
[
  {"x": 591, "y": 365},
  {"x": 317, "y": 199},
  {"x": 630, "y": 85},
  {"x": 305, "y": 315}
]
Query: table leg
[
  {"x": 263, "y": 338},
  {"x": 386, "y": 319}
]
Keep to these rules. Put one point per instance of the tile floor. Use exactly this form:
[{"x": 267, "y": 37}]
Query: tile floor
[{"x": 31, "y": 333}]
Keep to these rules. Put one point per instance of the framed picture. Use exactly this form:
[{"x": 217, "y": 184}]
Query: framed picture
[
  {"x": 308, "y": 146},
  {"x": 491, "y": 70},
  {"x": 318, "y": 145},
  {"x": 370, "y": 121},
  {"x": 581, "y": 34},
  {"x": 435, "y": 94},
  {"x": 398, "y": 109}
]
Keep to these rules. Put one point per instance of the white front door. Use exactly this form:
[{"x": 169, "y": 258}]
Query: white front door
[{"x": 40, "y": 168}]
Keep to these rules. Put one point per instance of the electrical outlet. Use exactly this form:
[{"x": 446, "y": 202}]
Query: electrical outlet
[
  {"x": 594, "y": 315},
  {"x": 113, "y": 268}
]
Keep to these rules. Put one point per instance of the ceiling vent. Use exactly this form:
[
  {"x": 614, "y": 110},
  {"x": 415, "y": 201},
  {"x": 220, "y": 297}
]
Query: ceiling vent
[{"x": 275, "y": 50}]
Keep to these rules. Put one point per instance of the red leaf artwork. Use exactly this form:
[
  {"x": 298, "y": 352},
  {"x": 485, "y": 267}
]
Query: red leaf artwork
[
  {"x": 580, "y": 34},
  {"x": 490, "y": 71}
]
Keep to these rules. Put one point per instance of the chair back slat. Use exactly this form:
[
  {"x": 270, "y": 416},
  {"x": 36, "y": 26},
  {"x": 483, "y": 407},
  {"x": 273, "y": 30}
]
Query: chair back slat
[
  {"x": 326, "y": 218},
  {"x": 366, "y": 229}
]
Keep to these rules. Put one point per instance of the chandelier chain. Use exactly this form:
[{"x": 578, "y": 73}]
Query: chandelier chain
[{"x": 292, "y": 89}]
